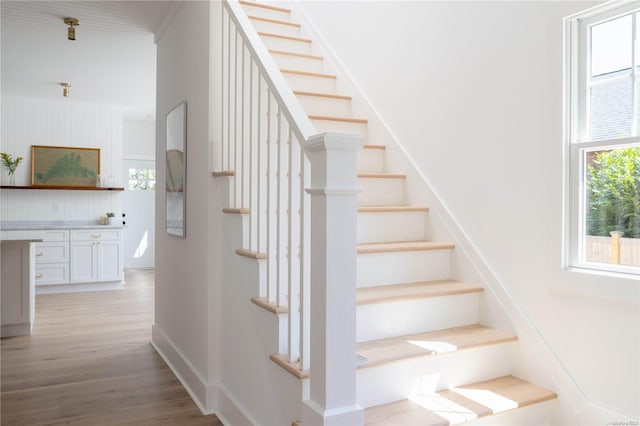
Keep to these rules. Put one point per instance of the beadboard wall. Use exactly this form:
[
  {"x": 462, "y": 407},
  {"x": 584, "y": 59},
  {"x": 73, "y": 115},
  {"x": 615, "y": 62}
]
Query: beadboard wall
[{"x": 27, "y": 122}]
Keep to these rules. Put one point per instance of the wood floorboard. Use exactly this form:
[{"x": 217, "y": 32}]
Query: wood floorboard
[{"x": 89, "y": 362}]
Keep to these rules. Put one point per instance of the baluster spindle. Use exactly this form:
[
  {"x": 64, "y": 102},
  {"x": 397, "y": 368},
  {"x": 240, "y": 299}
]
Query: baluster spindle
[
  {"x": 271, "y": 205},
  {"x": 305, "y": 263},
  {"x": 293, "y": 184},
  {"x": 282, "y": 217}
]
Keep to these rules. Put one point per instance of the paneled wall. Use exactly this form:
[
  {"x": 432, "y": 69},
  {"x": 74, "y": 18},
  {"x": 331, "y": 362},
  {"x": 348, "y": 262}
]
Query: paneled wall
[
  {"x": 139, "y": 141},
  {"x": 27, "y": 122}
]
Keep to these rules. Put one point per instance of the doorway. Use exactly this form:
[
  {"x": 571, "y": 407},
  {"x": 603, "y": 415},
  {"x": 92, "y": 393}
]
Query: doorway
[{"x": 139, "y": 207}]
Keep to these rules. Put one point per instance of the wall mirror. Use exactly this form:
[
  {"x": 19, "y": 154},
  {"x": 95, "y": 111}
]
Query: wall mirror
[{"x": 176, "y": 170}]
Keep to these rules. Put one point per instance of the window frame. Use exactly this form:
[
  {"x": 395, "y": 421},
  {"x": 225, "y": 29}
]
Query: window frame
[
  {"x": 576, "y": 128},
  {"x": 147, "y": 180}
]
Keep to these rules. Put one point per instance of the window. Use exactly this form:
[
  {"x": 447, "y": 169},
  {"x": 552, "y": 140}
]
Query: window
[
  {"x": 142, "y": 179},
  {"x": 602, "y": 103}
]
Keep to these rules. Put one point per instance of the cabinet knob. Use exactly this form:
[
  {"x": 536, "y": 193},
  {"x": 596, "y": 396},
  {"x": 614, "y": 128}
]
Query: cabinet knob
[
  {"x": 96, "y": 235},
  {"x": 38, "y": 276},
  {"x": 39, "y": 254}
]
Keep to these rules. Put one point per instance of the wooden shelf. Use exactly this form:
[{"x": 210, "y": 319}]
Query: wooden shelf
[{"x": 72, "y": 188}]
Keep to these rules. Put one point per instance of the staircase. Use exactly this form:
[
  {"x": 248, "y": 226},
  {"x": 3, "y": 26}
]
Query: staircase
[{"x": 423, "y": 357}]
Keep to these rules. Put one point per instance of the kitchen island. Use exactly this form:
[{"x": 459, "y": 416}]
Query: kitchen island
[{"x": 18, "y": 287}]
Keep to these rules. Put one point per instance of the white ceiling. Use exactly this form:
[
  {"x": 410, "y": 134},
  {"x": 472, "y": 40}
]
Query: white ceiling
[{"x": 112, "y": 61}]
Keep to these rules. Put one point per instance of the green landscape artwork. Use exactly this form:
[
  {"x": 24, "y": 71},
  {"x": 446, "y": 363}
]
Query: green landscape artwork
[{"x": 64, "y": 166}]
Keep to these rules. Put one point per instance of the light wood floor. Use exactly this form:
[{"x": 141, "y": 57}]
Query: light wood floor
[{"x": 89, "y": 362}]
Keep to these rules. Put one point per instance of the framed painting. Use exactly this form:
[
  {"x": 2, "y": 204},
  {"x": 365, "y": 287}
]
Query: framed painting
[{"x": 58, "y": 166}]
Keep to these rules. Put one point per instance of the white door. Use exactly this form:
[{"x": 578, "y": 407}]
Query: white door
[{"x": 140, "y": 217}]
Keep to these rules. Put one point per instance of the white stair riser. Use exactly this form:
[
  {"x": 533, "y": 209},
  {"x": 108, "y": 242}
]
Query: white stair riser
[
  {"x": 382, "y": 227},
  {"x": 237, "y": 228},
  {"x": 272, "y": 330},
  {"x": 309, "y": 83},
  {"x": 531, "y": 415},
  {"x": 341, "y": 126},
  {"x": 273, "y": 28},
  {"x": 402, "y": 267},
  {"x": 380, "y": 192},
  {"x": 298, "y": 63},
  {"x": 267, "y": 13},
  {"x": 294, "y": 46},
  {"x": 316, "y": 105},
  {"x": 393, "y": 382},
  {"x": 385, "y": 320},
  {"x": 371, "y": 160}
]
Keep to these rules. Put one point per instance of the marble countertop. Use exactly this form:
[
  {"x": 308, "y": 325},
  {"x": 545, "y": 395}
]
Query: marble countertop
[{"x": 23, "y": 225}]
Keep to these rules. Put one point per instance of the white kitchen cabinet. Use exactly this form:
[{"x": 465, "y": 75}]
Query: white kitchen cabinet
[
  {"x": 74, "y": 255},
  {"x": 96, "y": 255},
  {"x": 51, "y": 255}
]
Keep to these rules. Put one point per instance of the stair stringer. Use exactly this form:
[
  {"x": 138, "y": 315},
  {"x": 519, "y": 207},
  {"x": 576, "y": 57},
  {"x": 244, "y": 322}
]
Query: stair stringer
[
  {"x": 536, "y": 361},
  {"x": 253, "y": 389}
]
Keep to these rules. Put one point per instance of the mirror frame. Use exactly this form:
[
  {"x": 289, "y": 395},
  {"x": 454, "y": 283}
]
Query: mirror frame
[{"x": 176, "y": 171}]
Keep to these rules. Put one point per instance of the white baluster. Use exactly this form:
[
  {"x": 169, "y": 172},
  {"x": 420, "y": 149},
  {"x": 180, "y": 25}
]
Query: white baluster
[{"x": 305, "y": 260}]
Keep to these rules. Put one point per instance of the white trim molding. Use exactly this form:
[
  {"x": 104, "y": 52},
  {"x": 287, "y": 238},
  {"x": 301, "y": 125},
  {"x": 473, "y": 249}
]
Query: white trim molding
[{"x": 203, "y": 394}]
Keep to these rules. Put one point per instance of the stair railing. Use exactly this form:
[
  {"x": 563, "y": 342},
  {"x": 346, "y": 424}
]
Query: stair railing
[
  {"x": 299, "y": 191},
  {"x": 262, "y": 129}
]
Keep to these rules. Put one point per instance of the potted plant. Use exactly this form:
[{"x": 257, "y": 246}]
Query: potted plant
[
  {"x": 110, "y": 216},
  {"x": 11, "y": 164}
]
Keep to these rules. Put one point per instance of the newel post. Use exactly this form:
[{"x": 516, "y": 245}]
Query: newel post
[{"x": 332, "y": 387}]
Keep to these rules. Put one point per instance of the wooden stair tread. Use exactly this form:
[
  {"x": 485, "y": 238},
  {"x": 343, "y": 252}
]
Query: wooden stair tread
[
  {"x": 322, "y": 95},
  {"x": 369, "y": 248},
  {"x": 284, "y": 37},
  {"x": 264, "y": 6},
  {"x": 386, "y": 209},
  {"x": 307, "y": 73},
  {"x": 298, "y": 55},
  {"x": 268, "y": 306},
  {"x": 420, "y": 290},
  {"x": 291, "y": 367},
  {"x": 382, "y": 175},
  {"x": 251, "y": 254},
  {"x": 274, "y": 21},
  {"x": 223, "y": 173},
  {"x": 460, "y": 405},
  {"x": 371, "y": 146},
  {"x": 235, "y": 210},
  {"x": 341, "y": 119},
  {"x": 396, "y": 349}
]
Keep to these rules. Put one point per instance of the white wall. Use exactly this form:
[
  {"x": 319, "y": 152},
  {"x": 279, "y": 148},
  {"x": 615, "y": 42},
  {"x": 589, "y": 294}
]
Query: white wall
[
  {"x": 473, "y": 91},
  {"x": 139, "y": 139},
  {"x": 184, "y": 302},
  {"x": 27, "y": 122}
]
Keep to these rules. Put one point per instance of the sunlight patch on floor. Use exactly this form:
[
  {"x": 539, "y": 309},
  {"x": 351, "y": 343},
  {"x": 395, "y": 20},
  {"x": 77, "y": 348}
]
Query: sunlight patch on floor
[
  {"x": 496, "y": 402},
  {"x": 445, "y": 408},
  {"x": 142, "y": 246},
  {"x": 434, "y": 347}
]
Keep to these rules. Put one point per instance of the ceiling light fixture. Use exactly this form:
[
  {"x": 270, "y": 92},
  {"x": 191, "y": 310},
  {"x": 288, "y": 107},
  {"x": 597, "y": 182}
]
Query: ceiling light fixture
[
  {"x": 65, "y": 89},
  {"x": 71, "y": 31}
]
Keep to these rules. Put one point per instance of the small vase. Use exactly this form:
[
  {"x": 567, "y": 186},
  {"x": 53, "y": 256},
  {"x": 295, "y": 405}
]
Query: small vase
[{"x": 12, "y": 179}]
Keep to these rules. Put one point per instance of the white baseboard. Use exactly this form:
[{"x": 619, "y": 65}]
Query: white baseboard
[
  {"x": 77, "y": 288},
  {"x": 202, "y": 393},
  {"x": 229, "y": 410},
  {"x": 12, "y": 330}
]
